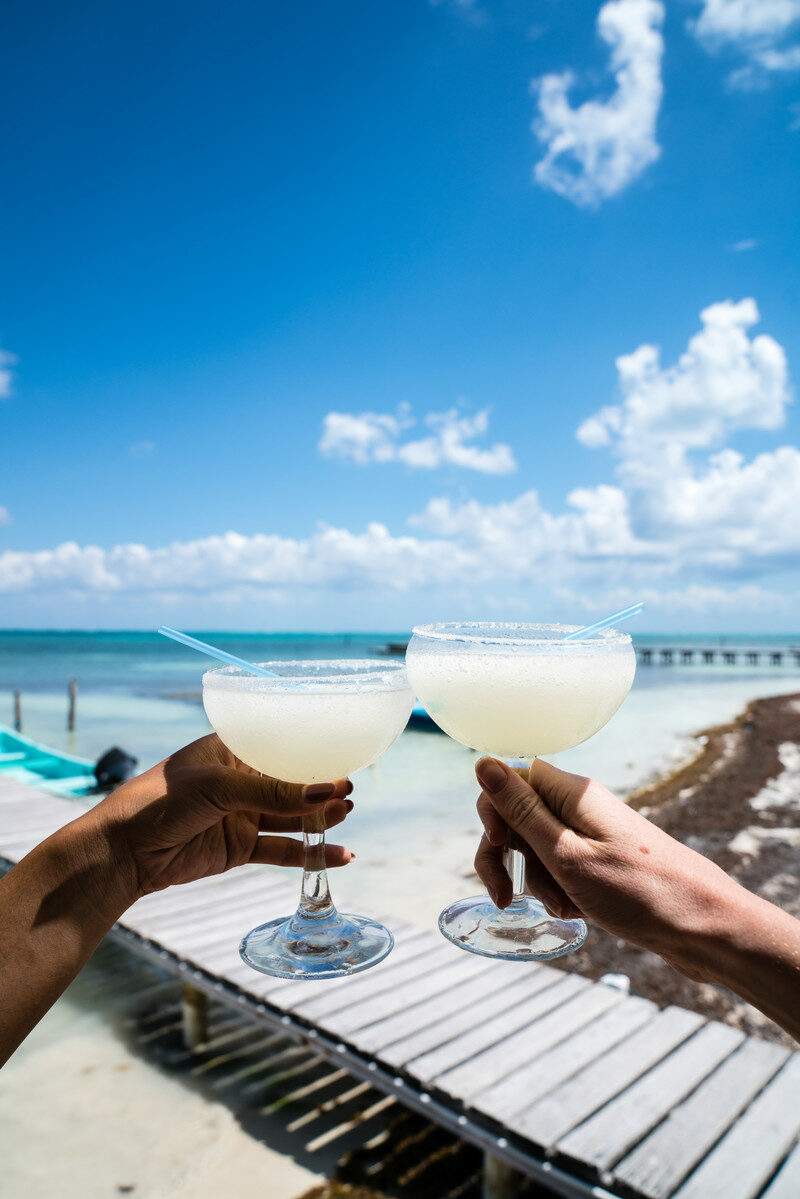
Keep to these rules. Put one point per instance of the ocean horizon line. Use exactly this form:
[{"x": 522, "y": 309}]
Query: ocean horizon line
[{"x": 716, "y": 635}]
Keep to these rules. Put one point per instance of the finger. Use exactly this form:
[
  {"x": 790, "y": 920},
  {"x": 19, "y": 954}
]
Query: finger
[
  {"x": 492, "y": 872},
  {"x": 540, "y": 883},
  {"x": 229, "y": 789},
  {"x": 582, "y": 804},
  {"x": 520, "y": 806},
  {"x": 494, "y": 825},
  {"x": 285, "y": 851},
  {"x": 334, "y": 813}
]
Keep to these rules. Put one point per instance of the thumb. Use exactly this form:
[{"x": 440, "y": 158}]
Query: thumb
[{"x": 519, "y": 805}]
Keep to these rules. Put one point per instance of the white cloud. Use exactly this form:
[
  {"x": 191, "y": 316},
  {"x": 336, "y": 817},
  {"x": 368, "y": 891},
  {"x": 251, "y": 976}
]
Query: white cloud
[
  {"x": 331, "y": 557},
  {"x": 759, "y": 29},
  {"x": 377, "y": 437},
  {"x": 719, "y": 509},
  {"x": 6, "y": 362},
  {"x": 688, "y": 522},
  {"x": 745, "y": 21},
  {"x": 598, "y": 148},
  {"x": 723, "y": 381},
  {"x": 741, "y": 247}
]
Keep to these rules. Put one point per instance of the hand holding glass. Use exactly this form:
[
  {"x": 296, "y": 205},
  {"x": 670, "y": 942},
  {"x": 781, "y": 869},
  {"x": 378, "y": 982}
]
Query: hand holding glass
[
  {"x": 313, "y": 722},
  {"x": 516, "y": 691}
]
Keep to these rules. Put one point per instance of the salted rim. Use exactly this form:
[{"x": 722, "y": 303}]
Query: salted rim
[
  {"x": 361, "y": 674},
  {"x": 480, "y": 633}
]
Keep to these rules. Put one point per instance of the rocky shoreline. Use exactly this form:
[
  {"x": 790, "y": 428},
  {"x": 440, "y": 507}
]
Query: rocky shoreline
[{"x": 738, "y": 802}]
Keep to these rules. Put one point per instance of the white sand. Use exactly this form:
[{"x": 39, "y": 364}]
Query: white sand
[{"x": 81, "y": 1117}]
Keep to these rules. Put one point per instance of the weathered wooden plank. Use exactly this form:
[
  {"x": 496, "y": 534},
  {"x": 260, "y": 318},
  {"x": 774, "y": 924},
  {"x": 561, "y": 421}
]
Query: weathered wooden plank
[
  {"x": 440, "y": 974},
  {"x": 661, "y": 1162},
  {"x": 18, "y": 794},
  {"x": 419, "y": 1028},
  {"x": 210, "y": 924},
  {"x": 188, "y": 895},
  {"x": 409, "y": 944},
  {"x": 29, "y": 821},
  {"x": 543, "y": 1074},
  {"x": 750, "y": 1152},
  {"x": 229, "y": 890},
  {"x": 786, "y": 1183},
  {"x": 412, "y": 955},
  {"x": 15, "y": 843},
  {"x": 550, "y": 991},
  {"x": 468, "y": 1017},
  {"x": 498, "y": 1061},
  {"x": 213, "y": 932},
  {"x": 607, "y": 1135},
  {"x": 25, "y": 823},
  {"x": 552, "y": 1116},
  {"x": 245, "y": 898},
  {"x": 9, "y": 785}
]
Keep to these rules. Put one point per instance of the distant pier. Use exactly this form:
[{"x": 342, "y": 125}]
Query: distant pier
[
  {"x": 727, "y": 655},
  {"x": 670, "y": 655}
]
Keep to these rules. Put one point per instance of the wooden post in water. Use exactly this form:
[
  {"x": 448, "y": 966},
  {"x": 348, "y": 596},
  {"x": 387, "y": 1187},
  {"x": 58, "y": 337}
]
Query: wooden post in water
[
  {"x": 500, "y": 1181},
  {"x": 194, "y": 1017},
  {"x": 18, "y": 711},
  {"x": 72, "y": 701}
]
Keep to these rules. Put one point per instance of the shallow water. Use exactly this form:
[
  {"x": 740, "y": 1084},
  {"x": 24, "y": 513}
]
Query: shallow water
[{"x": 414, "y": 829}]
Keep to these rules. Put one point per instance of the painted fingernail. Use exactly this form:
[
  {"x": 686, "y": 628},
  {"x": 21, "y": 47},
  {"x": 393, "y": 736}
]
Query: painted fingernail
[
  {"x": 318, "y": 792},
  {"x": 491, "y": 775}
]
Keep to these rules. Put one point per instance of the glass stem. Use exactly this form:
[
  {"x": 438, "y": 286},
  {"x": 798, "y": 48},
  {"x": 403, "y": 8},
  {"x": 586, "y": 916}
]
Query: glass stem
[
  {"x": 515, "y": 865},
  {"x": 315, "y": 899}
]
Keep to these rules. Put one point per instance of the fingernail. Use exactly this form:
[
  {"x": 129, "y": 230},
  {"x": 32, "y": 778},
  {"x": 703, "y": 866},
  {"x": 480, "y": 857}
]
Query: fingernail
[
  {"x": 348, "y": 787},
  {"x": 348, "y": 803},
  {"x": 491, "y": 775},
  {"x": 317, "y": 792},
  {"x": 350, "y": 859}
]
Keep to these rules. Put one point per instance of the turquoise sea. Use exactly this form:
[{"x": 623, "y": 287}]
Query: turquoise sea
[
  {"x": 414, "y": 828},
  {"x": 141, "y": 691}
]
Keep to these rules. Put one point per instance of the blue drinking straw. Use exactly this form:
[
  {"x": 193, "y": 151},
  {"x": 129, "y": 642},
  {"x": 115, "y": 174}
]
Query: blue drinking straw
[
  {"x": 213, "y": 652},
  {"x": 599, "y": 625}
]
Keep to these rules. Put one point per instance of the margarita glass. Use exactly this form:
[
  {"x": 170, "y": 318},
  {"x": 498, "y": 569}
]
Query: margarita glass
[
  {"x": 517, "y": 691},
  {"x": 315, "y": 722}
]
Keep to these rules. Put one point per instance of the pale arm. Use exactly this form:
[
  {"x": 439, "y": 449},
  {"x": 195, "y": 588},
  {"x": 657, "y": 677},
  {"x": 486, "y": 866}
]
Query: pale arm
[{"x": 589, "y": 854}]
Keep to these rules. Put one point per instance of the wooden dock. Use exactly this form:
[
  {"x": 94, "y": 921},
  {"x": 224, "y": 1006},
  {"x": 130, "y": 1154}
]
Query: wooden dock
[
  {"x": 590, "y": 1091},
  {"x": 671, "y": 655},
  {"x": 723, "y": 654}
]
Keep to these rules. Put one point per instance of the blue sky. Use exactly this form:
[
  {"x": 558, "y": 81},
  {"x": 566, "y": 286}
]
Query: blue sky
[{"x": 265, "y": 268}]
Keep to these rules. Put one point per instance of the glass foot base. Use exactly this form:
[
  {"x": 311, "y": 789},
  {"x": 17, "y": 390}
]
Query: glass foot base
[
  {"x": 317, "y": 947},
  {"x": 522, "y": 932}
]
